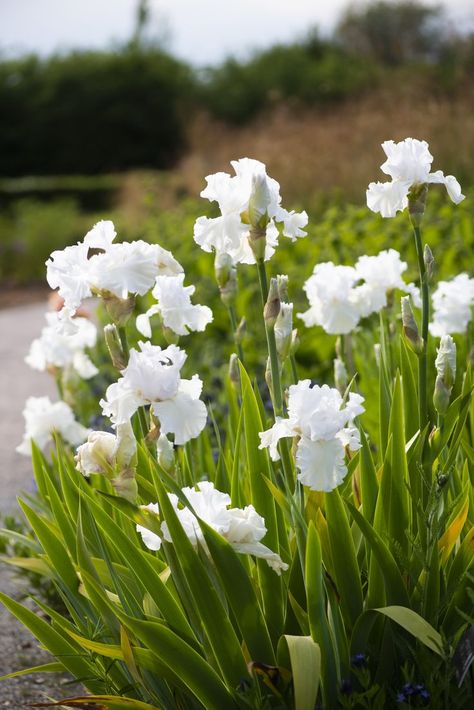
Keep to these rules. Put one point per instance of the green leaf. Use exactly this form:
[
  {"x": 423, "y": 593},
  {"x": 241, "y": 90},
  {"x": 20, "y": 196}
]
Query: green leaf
[
  {"x": 346, "y": 569},
  {"x": 305, "y": 661},
  {"x": 214, "y": 618},
  {"x": 415, "y": 625},
  {"x": 68, "y": 653},
  {"x": 394, "y": 585},
  {"x": 318, "y": 621},
  {"x": 54, "y": 667},
  {"x": 241, "y": 595},
  {"x": 107, "y": 702}
]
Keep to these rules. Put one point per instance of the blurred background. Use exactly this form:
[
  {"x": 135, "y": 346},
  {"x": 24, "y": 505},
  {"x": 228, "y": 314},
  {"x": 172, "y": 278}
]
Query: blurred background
[{"x": 119, "y": 109}]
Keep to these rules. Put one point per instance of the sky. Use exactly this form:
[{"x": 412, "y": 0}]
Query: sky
[{"x": 200, "y": 31}]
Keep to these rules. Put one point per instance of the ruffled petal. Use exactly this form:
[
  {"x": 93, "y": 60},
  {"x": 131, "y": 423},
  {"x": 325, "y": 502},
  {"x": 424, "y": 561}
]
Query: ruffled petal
[
  {"x": 388, "y": 198},
  {"x": 269, "y": 439},
  {"x": 321, "y": 463},
  {"x": 183, "y": 415}
]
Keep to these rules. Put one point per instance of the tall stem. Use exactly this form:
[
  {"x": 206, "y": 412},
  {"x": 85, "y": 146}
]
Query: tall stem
[
  {"x": 422, "y": 371},
  {"x": 271, "y": 343}
]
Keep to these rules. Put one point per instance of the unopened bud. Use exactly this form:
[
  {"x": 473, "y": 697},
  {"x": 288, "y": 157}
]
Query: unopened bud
[
  {"x": 272, "y": 306},
  {"x": 259, "y": 202},
  {"x": 241, "y": 331},
  {"x": 446, "y": 360},
  {"x": 268, "y": 375},
  {"x": 341, "y": 378},
  {"x": 282, "y": 280},
  {"x": 283, "y": 330},
  {"x": 119, "y": 309},
  {"x": 165, "y": 453},
  {"x": 434, "y": 440},
  {"x": 234, "y": 372},
  {"x": 446, "y": 373},
  {"x": 114, "y": 345},
  {"x": 428, "y": 258},
  {"x": 410, "y": 327},
  {"x": 226, "y": 277},
  {"x": 295, "y": 341},
  {"x": 416, "y": 203}
]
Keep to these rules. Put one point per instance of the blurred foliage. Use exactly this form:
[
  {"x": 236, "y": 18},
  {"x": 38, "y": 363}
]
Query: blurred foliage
[{"x": 96, "y": 112}]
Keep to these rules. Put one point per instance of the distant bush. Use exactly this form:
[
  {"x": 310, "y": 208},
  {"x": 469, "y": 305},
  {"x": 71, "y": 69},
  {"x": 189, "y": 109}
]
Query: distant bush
[
  {"x": 314, "y": 71},
  {"x": 92, "y": 112}
]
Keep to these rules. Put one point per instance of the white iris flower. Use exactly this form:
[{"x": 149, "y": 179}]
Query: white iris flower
[
  {"x": 152, "y": 377},
  {"x": 452, "y": 306},
  {"x": 122, "y": 269},
  {"x": 246, "y": 197},
  {"x": 56, "y": 348},
  {"x": 44, "y": 418},
  {"x": 324, "y": 427},
  {"x": 243, "y": 528},
  {"x": 408, "y": 164}
]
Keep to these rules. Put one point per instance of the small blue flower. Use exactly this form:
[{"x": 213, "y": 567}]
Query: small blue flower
[
  {"x": 401, "y": 697},
  {"x": 359, "y": 660}
]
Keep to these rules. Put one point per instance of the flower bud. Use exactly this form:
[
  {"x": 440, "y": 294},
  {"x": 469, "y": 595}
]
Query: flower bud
[
  {"x": 428, "y": 258},
  {"x": 272, "y": 306},
  {"x": 446, "y": 374},
  {"x": 234, "y": 372},
  {"x": 97, "y": 454},
  {"x": 295, "y": 341},
  {"x": 226, "y": 277},
  {"x": 119, "y": 309},
  {"x": 165, "y": 454},
  {"x": 282, "y": 280},
  {"x": 283, "y": 330},
  {"x": 434, "y": 441},
  {"x": 114, "y": 345},
  {"x": 341, "y": 378},
  {"x": 241, "y": 331},
  {"x": 446, "y": 360},
  {"x": 410, "y": 328},
  {"x": 259, "y": 202}
]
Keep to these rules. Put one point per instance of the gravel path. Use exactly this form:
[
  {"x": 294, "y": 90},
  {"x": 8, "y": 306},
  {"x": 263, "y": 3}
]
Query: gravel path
[{"x": 18, "y": 649}]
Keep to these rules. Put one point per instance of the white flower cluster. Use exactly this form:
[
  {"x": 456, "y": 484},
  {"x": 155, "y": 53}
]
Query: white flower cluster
[
  {"x": 243, "y": 528},
  {"x": 408, "y": 164},
  {"x": 452, "y": 306},
  {"x": 324, "y": 426},
  {"x": 153, "y": 377},
  {"x": 339, "y": 296},
  {"x": 58, "y": 349},
  {"x": 44, "y": 418},
  {"x": 121, "y": 269},
  {"x": 249, "y": 197}
]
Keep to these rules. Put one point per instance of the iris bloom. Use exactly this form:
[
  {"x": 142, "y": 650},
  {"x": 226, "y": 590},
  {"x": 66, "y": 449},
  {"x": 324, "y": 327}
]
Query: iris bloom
[
  {"x": 339, "y": 296},
  {"x": 56, "y": 348},
  {"x": 243, "y": 528},
  {"x": 153, "y": 377},
  {"x": 452, "y": 306},
  {"x": 175, "y": 308},
  {"x": 324, "y": 426},
  {"x": 44, "y": 418},
  {"x": 248, "y": 198},
  {"x": 119, "y": 270},
  {"x": 408, "y": 164}
]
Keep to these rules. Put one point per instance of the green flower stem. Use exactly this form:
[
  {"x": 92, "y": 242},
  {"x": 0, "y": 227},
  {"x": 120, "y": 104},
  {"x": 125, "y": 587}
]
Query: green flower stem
[
  {"x": 233, "y": 323},
  {"x": 271, "y": 343},
  {"x": 422, "y": 371},
  {"x": 294, "y": 369}
]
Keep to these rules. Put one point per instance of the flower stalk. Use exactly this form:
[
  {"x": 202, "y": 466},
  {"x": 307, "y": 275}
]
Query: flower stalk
[
  {"x": 276, "y": 392},
  {"x": 422, "y": 367}
]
